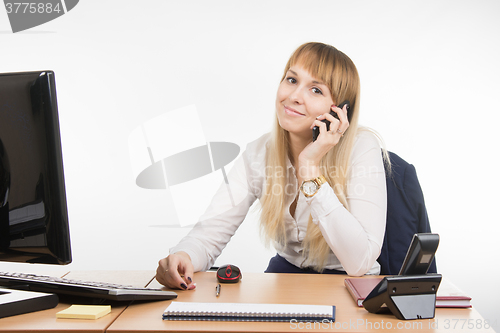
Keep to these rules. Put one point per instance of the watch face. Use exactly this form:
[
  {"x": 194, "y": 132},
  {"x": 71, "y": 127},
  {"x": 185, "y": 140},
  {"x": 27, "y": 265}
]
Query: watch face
[{"x": 309, "y": 187}]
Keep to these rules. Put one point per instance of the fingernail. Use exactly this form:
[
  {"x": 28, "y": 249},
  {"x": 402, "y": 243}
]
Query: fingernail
[
  {"x": 190, "y": 280},
  {"x": 183, "y": 286}
]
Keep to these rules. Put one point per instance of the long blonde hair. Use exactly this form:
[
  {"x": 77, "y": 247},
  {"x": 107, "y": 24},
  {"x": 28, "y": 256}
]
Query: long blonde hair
[{"x": 339, "y": 73}]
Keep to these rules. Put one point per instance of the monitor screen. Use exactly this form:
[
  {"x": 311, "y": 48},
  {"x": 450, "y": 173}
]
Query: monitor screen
[{"x": 33, "y": 213}]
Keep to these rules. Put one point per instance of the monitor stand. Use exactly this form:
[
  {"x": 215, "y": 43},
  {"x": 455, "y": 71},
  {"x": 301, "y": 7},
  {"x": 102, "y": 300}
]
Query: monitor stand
[{"x": 14, "y": 302}]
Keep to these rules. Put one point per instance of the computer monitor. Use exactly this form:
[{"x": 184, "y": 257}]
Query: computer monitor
[{"x": 33, "y": 213}]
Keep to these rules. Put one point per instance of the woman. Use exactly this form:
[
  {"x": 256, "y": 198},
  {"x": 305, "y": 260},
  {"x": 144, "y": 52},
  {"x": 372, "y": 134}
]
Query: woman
[{"x": 323, "y": 202}]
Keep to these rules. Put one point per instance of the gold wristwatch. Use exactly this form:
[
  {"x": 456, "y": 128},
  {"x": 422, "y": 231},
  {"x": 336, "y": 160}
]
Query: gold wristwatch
[{"x": 311, "y": 187}]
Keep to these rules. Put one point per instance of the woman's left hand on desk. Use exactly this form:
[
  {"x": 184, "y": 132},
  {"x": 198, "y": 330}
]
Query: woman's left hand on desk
[{"x": 176, "y": 271}]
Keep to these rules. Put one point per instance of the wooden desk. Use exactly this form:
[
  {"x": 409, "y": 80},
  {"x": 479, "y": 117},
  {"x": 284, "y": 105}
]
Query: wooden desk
[
  {"x": 287, "y": 288},
  {"x": 254, "y": 288},
  {"x": 47, "y": 322}
]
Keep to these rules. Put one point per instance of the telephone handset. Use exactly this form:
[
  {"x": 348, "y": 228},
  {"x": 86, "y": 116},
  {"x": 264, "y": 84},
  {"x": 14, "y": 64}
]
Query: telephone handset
[{"x": 333, "y": 113}]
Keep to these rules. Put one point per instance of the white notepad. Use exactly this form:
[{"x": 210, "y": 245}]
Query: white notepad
[{"x": 248, "y": 312}]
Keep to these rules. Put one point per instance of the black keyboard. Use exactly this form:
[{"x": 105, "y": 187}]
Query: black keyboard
[{"x": 62, "y": 286}]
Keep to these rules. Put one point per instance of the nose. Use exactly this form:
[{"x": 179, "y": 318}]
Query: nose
[{"x": 297, "y": 95}]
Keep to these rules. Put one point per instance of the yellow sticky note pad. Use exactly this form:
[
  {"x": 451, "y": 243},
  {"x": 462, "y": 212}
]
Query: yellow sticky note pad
[{"x": 84, "y": 312}]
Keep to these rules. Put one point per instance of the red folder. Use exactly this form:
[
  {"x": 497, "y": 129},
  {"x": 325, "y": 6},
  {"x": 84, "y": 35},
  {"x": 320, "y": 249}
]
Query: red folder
[{"x": 448, "y": 295}]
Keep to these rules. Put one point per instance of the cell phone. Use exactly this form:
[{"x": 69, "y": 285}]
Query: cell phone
[{"x": 333, "y": 113}]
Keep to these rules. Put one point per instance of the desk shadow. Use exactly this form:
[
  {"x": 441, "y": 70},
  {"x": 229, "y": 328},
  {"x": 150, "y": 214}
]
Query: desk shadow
[{"x": 72, "y": 299}]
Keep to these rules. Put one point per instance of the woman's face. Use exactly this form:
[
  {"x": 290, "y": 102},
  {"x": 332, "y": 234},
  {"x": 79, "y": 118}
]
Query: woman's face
[{"x": 300, "y": 99}]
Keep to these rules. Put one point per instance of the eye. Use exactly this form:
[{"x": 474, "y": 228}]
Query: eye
[
  {"x": 291, "y": 80},
  {"x": 317, "y": 91}
]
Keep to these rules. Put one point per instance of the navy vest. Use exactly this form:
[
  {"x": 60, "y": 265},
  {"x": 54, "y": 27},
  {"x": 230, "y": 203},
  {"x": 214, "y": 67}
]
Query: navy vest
[{"x": 406, "y": 215}]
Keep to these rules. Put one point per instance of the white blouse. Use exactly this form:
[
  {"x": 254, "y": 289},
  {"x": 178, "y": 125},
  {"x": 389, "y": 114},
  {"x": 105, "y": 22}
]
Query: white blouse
[{"x": 355, "y": 236}]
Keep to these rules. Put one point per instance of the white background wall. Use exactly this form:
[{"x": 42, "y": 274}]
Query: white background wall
[{"x": 429, "y": 72}]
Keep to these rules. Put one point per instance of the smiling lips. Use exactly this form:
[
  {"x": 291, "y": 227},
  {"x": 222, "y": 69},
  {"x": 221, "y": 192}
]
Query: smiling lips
[{"x": 292, "y": 112}]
